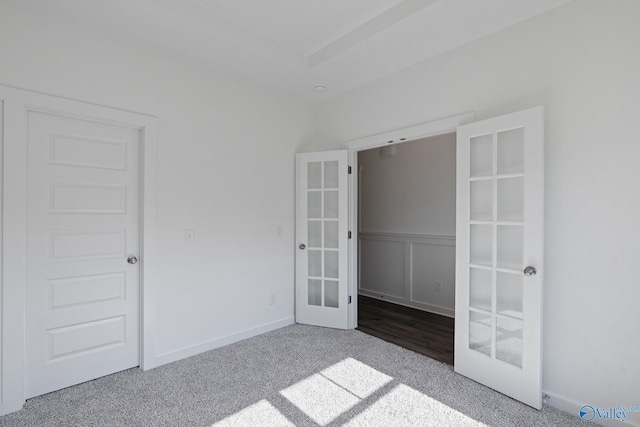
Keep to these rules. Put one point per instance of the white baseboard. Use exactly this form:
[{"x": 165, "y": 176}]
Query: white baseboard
[
  {"x": 572, "y": 407},
  {"x": 163, "y": 359},
  {"x": 430, "y": 308}
]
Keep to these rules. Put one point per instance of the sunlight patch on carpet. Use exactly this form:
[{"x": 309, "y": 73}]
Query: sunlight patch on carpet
[
  {"x": 325, "y": 396},
  {"x": 405, "y": 406},
  {"x": 360, "y": 379},
  {"x": 332, "y": 392},
  {"x": 320, "y": 399},
  {"x": 261, "y": 413}
]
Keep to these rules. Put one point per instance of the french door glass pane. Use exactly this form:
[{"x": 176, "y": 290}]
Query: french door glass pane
[
  {"x": 511, "y": 199},
  {"x": 315, "y": 263},
  {"x": 331, "y": 234},
  {"x": 480, "y": 285},
  {"x": 314, "y": 175},
  {"x": 314, "y": 232},
  {"x": 331, "y": 264},
  {"x": 509, "y": 341},
  {"x": 482, "y": 200},
  {"x": 511, "y": 151},
  {"x": 480, "y": 242},
  {"x": 509, "y": 294},
  {"x": 331, "y": 204},
  {"x": 314, "y": 204},
  {"x": 510, "y": 246},
  {"x": 314, "y": 292},
  {"x": 480, "y": 332},
  {"x": 331, "y": 293},
  {"x": 482, "y": 155},
  {"x": 331, "y": 174}
]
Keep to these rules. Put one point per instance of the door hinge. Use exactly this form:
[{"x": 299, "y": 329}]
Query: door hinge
[
  {"x": 349, "y": 299},
  {"x": 349, "y": 235},
  {"x": 349, "y": 170}
]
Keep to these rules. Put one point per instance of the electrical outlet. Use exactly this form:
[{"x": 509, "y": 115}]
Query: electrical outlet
[
  {"x": 438, "y": 287},
  {"x": 272, "y": 299}
]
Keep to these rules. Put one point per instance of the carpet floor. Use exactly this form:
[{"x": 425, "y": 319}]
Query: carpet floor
[{"x": 295, "y": 376}]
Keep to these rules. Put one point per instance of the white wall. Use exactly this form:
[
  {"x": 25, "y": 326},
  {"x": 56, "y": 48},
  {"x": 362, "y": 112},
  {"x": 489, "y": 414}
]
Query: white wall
[
  {"x": 411, "y": 192},
  {"x": 225, "y": 169},
  {"x": 581, "y": 62},
  {"x": 406, "y": 200}
]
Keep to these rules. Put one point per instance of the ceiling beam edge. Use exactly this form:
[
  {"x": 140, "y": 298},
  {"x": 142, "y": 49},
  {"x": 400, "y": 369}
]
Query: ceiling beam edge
[{"x": 375, "y": 25}]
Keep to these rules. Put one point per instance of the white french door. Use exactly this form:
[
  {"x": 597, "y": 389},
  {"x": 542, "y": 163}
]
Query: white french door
[
  {"x": 499, "y": 254},
  {"x": 82, "y": 295},
  {"x": 321, "y": 239}
]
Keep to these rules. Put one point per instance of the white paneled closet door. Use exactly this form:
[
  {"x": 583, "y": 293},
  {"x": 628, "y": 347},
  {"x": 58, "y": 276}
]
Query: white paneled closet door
[{"x": 82, "y": 300}]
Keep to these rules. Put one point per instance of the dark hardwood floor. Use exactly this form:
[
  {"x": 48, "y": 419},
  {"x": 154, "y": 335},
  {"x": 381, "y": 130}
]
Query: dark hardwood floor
[{"x": 425, "y": 333}]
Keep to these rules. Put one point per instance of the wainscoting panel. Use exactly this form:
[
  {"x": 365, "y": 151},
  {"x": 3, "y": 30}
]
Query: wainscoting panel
[
  {"x": 382, "y": 267},
  {"x": 409, "y": 269}
]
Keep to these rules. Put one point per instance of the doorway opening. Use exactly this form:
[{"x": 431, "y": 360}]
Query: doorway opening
[{"x": 406, "y": 244}]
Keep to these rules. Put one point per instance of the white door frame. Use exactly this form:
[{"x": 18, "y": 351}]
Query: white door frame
[
  {"x": 398, "y": 136},
  {"x": 14, "y": 106}
]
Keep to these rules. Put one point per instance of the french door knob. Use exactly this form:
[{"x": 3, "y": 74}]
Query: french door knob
[
  {"x": 530, "y": 271},
  {"x": 302, "y": 246},
  {"x": 132, "y": 260}
]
